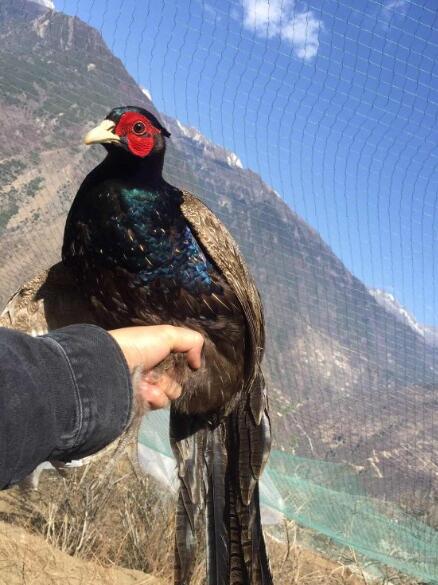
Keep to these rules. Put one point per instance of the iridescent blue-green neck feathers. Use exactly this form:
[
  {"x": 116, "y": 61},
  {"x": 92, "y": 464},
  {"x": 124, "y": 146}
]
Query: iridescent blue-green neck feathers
[
  {"x": 115, "y": 222},
  {"x": 163, "y": 247}
]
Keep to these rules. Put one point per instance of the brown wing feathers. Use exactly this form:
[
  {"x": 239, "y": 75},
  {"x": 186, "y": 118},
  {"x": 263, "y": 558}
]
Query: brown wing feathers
[{"x": 236, "y": 450}]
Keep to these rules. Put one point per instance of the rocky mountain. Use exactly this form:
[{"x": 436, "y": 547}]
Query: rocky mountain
[
  {"x": 350, "y": 380},
  {"x": 207, "y": 148},
  {"x": 391, "y": 304}
]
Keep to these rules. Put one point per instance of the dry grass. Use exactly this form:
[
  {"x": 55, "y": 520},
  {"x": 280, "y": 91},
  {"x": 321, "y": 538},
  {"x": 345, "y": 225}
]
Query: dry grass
[
  {"x": 292, "y": 564},
  {"x": 117, "y": 521},
  {"x": 126, "y": 519}
]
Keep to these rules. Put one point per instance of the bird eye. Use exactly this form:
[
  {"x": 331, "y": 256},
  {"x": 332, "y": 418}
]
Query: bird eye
[{"x": 139, "y": 128}]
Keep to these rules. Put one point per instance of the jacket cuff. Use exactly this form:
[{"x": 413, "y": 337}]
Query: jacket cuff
[{"x": 102, "y": 385}]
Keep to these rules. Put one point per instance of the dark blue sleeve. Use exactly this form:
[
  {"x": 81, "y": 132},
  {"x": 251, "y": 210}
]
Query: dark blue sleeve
[{"x": 63, "y": 396}]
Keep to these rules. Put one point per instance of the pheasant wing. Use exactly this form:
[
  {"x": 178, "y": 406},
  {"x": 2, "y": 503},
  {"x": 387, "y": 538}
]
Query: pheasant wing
[
  {"x": 237, "y": 450},
  {"x": 223, "y": 250},
  {"x": 48, "y": 301}
]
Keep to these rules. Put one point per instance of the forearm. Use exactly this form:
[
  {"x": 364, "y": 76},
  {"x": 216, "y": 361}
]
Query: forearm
[{"x": 62, "y": 396}]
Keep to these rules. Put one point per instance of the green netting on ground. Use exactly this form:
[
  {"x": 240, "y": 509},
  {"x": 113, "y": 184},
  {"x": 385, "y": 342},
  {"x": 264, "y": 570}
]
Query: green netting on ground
[{"x": 331, "y": 499}]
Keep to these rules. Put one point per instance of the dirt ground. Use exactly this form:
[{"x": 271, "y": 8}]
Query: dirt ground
[
  {"x": 134, "y": 529},
  {"x": 28, "y": 560}
]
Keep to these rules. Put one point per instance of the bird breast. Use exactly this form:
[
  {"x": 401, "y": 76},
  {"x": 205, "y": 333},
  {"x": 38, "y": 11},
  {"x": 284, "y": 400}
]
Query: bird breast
[{"x": 144, "y": 233}]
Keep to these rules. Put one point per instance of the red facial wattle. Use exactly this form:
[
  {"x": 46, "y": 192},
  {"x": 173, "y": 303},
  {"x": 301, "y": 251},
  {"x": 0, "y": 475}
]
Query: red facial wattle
[{"x": 138, "y": 132}]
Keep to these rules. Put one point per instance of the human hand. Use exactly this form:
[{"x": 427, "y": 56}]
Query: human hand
[{"x": 146, "y": 347}]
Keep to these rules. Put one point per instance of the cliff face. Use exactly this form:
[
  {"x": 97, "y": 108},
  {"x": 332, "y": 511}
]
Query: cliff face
[{"x": 349, "y": 379}]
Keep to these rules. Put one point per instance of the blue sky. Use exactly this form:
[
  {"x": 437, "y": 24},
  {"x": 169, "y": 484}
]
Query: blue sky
[{"x": 333, "y": 102}]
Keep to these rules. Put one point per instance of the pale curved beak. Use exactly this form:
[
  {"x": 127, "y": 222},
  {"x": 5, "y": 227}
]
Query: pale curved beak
[{"x": 103, "y": 133}]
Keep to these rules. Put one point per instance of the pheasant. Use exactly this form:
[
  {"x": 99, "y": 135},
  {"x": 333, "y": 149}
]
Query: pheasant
[{"x": 138, "y": 251}]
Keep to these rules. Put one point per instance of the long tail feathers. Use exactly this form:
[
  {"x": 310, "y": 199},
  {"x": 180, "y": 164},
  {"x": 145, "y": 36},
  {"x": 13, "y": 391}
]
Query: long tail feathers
[
  {"x": 219, "y": 468},
  {"x": 216, "y": 459},
  {"x": 188, "y": 438}
]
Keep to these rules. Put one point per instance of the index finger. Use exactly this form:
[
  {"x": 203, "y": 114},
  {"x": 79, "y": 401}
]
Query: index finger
[{"x": 189, "y": 342}]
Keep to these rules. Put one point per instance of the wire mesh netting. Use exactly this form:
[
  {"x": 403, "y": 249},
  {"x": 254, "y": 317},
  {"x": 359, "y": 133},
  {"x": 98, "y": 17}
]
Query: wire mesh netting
[
  {"x": 328, "y": 498},
  {"x": 310, "y": 129}
]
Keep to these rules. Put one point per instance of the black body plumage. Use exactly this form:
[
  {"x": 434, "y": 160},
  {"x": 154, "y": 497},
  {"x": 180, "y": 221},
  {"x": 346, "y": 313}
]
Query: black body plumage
[{"x": 145, "y": 252}]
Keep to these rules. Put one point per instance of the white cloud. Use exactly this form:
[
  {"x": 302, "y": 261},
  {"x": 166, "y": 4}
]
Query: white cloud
[
  {"x": 399, "y": 5},
  {"x": 303, "y": 32},
  {"x": 47, "y": 3},
  {"x": 264, "y": 16},
  {"x": 211, "y": 11},
  {"x": 393, "y": 8},
  {"x": 280, "y": 18}
]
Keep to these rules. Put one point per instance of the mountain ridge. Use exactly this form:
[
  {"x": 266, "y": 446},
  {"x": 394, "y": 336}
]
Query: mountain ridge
[{"x": 390, "y": 302}]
